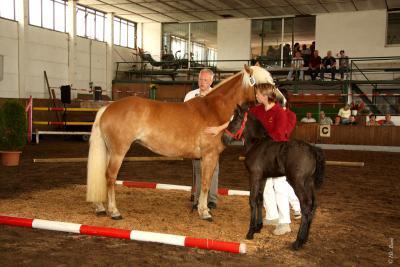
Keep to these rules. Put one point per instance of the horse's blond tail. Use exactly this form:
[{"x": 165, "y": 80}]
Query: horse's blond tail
[{"x": 97, "y": 163}]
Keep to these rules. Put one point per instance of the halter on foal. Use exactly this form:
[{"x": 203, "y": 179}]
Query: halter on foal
[
  {"x": 303, "y": 165},
  {"x": 170, "y": 129}
]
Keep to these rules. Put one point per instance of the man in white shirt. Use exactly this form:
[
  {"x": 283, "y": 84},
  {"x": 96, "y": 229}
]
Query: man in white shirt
[
  {"x": 206, "y": 77},
  {"x": 308, "y": 118}
]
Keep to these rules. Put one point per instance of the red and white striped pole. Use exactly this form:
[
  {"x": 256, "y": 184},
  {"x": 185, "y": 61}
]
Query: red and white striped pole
[
  {"x": 176, "y": 240},
  {"x": 151, "y": 185}
]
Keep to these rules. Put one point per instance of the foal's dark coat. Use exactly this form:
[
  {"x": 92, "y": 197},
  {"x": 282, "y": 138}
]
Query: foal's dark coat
[{"x": 301, "y": 163}]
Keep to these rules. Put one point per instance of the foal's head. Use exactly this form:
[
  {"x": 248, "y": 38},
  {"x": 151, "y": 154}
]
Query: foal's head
[{"x": 243, "y": 126}]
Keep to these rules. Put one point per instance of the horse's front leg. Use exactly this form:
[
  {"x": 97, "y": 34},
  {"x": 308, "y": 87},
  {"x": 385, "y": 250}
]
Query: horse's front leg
[
  {"x": 260, "y": 206},
  {"x": 254, "y": 192},
  {"x": 208, "y": 164}
]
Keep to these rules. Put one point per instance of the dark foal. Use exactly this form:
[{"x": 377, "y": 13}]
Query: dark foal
[{"x": 302, "y": 164}]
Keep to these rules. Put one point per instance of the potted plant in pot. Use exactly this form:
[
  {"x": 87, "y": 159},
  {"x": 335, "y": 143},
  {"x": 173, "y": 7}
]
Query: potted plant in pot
[{"x": 12, "y": 132}]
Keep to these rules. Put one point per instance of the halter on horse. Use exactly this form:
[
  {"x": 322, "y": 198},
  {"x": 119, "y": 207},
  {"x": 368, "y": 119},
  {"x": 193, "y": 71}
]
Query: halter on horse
[{"x": 170, "y": 129}]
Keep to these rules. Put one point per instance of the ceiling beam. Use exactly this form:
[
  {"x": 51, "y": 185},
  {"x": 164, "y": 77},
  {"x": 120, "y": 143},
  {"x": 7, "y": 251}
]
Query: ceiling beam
[
  {"x": 321, "y": 4},
  {"x": 354, "y": 4},
  {"x": 129, "y": 11},
  {"x": 257, "y": 3},
  {"x": 177, "y": 8},
  {"x": 156, "y": 12},
  {"x": 205, "y": 8}
]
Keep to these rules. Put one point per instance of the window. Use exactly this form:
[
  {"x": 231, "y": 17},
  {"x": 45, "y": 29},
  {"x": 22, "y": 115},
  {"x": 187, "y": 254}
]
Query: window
[
  {"x": 90, "y": 23},
  {"x": 49, "y": 14},
  {"x": 203, "y": 41},
  {"x": 124, "y": 33},
  {"x": 393, "y": 28},
  {"x": 7, "y": 9}
]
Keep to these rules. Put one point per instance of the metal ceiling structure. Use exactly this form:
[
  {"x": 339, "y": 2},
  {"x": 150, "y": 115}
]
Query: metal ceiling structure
[{"x": 209, "y": 10}]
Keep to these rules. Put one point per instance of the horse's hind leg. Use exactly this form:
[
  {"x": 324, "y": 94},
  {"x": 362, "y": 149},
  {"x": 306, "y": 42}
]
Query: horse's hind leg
[
  {"x": 111, "y": 175},
  {"x": 306, "y": 196}
]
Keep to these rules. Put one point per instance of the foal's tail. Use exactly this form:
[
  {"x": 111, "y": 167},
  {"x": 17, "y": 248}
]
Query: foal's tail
[
  {"x": 319, "y": 174},
  {"x": 97, "y": 163}
]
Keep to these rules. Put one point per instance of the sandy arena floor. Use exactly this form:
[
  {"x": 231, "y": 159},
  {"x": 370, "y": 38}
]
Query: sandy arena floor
[{"x": 357, "y": 220}]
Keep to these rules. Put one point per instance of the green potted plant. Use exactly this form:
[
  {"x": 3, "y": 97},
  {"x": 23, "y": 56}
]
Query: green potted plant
[{"x": 12, "y": 132}]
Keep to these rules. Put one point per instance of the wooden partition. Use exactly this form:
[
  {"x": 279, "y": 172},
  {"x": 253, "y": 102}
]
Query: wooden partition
[{"x": 350, "y": 135}]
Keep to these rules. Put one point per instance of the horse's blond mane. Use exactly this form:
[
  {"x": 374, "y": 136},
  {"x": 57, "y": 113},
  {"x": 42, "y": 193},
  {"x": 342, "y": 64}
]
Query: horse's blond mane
[{"x": 261, "y": 75}]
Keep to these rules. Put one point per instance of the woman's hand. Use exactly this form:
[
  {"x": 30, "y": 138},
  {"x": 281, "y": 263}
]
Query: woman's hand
[{"x": 213, "y": 130}]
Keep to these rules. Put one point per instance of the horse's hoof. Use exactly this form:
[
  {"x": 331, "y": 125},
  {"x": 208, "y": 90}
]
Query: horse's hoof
[
  {"x": 101, "y": 213},
  {"x": 258, "y": 228},
  {"x": 250, "y": 236},
  {"x": 296, "y": 245},
  {"x": 119, "y": 217}
]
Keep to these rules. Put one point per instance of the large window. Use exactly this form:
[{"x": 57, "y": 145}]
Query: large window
[
  {"x": 7, "y": 9},
  {"x": 203, "y": 42},
  {"x": 90, "y": 23},
  {"x": 393, "y": 28},
  {"x": 49, "y": 14},
  {"x": 272, "y": 40},
  {"x": 124, "y": 33}
]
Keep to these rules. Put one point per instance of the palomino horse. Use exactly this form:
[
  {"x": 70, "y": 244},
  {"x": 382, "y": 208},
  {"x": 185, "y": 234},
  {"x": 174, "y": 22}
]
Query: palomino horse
[
  {"x": 170, "y": 129},
  {"x": 303, "y": 165}
]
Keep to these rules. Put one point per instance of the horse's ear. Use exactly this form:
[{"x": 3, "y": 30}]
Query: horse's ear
[{"x": 248, "y": 69}]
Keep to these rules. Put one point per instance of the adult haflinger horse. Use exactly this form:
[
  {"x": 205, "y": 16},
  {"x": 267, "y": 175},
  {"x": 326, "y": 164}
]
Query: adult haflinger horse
[
  {"x": 302, "y": 163},
  {"x": 170, "y": 129}
]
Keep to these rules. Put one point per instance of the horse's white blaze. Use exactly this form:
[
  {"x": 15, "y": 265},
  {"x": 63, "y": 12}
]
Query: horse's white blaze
[{"x": 97, "y": 163}]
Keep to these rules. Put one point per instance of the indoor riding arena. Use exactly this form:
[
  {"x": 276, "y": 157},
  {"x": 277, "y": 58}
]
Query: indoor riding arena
[{"x": 126, "y": 133}]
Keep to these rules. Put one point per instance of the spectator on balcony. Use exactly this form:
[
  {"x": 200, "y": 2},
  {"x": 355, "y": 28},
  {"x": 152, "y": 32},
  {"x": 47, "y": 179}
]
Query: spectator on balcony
[
  {"x": 343, "y": 64},
  {"x": 314, "y": 65},
  {"x": 297, "y": 66},
  {"x": 323, "y": 120},
  {"x": 388, "y": 121},
  {"x": 372, "y": 120},
  {"x": 328, "y": 65},
  {"x": 308, "y": 118},
  {"x": 344, "y": 114},
  {"x": 306, "y": 54},
  {"x": 352, "y": 120},
  {"x": 356, "y": 107},
  {"x": 337, "y": 120}
]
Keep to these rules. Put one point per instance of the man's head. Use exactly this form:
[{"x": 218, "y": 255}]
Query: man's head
[
  {"x": 298, "y": 54},
  {"x": 206, "y": 77},
  {"x": 322, "y": 115},
  {"x": 372, "y": 117},
  {"x": 329, "y": 53},
  {"x": 315, "y": 53},
  {"x": 309, "y": 115},
  {"x": 265, "y": 93},
  {"x": 388, "y": 117},
  {"x": 342, "y": 52}
]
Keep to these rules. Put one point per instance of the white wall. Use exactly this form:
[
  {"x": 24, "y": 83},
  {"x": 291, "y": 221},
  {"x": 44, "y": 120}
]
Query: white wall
[
  {"x": 360, "y": 34},
  {"x": 9, "y": 49},
  {"x": 48, "y": 50},
  {"x": 233, "y": 42},
  {"x": 45, "y": 51}
]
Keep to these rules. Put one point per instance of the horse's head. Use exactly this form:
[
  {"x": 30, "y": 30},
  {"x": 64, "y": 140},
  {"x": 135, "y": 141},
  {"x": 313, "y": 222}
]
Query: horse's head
[
  {"x": 236, "y": 126},
  {"x": 243, "y": 126},
  {"x": 255, "y": 75}
]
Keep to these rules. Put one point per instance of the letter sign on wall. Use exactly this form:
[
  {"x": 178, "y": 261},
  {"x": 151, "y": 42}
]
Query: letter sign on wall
[{"x": 325, "y": 130}]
